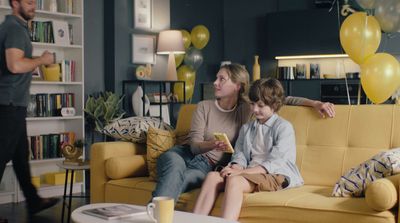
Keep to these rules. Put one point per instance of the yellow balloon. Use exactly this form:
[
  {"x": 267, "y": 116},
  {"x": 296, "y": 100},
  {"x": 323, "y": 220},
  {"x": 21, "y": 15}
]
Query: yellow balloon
[
  {"x": 187, "y": 74},
  {"x": 187, "y": 39},
  {"x": 178, "y": 90},
  {"x": 178, "y": 59},
  {"x": 360, "y": 36},
  {"x": 380, "y": 77},
  {"x": 200, "y": 36}
]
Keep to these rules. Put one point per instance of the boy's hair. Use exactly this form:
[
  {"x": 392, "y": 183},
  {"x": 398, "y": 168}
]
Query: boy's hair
[
  {"x": 239, "y": 75},
  {"x": 269, "y": 91}
]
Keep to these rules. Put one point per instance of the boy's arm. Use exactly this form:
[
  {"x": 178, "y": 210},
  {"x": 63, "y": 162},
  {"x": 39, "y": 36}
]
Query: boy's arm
[
  {"x": 323, "y": 108},
  {"x": 238, "y": 157}
]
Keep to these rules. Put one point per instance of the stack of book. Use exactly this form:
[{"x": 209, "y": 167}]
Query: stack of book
[
  {"x": 49, "y": 105},
  {"x": 49, "y": 145}
]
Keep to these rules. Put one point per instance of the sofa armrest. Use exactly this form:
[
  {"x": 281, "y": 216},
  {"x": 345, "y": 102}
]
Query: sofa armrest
[
  {"x": 99, "y": 153},
  {"x": 383, "y": 194},
  {"x": 126, "y": 166}
]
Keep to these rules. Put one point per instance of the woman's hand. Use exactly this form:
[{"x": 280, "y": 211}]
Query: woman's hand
[
  {"x": 324, "y": 108},
  {"x": 220, "y": 146}
]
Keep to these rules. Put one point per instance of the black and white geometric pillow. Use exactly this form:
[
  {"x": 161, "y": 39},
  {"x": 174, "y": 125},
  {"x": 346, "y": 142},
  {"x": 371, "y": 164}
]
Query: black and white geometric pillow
[{"x": 134, "y": 129}]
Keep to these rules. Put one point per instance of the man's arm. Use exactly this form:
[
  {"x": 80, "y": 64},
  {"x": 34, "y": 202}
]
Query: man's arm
[{"x": 17, "y": 63}]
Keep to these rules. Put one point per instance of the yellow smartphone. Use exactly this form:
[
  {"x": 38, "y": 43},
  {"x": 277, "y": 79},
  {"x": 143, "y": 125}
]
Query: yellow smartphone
[{"x": 224, "y": 138}]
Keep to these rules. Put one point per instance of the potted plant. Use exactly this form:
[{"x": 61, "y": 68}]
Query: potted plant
[{"x": 102, "y": 110}]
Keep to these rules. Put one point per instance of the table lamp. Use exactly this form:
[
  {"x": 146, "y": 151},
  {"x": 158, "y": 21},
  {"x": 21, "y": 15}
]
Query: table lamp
[{"x": 170, "y": 42}]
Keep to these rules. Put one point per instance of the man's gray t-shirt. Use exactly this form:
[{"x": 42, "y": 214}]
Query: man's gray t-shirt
[{"x": 14, "y": 88}]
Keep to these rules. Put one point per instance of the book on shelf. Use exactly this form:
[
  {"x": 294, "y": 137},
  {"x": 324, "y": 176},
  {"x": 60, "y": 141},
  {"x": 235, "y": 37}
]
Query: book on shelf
[
  {"x": 65, "y": 6},
  {"x": 114, "y": 212},
  {"x": 48, "y": 146},
  {"x": 41, "y": 31},
  {"x": 67, "y": 70},
  {"x": 71, "y": 34},
  {"x": 40, "y": 4},
  {"x": 50, "y": 105}
]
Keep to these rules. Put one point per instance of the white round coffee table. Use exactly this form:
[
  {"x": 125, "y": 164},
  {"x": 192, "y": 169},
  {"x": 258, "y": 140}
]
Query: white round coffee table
[{"x": 179, "y": 216}]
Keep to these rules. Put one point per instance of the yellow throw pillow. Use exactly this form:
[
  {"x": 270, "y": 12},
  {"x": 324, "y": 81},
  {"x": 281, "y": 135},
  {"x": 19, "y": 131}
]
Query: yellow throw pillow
[{"x": 158, "y": 141}]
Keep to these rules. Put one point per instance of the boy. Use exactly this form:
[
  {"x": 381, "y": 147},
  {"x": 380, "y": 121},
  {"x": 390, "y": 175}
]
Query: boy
[{"x": 264, "y": 158}]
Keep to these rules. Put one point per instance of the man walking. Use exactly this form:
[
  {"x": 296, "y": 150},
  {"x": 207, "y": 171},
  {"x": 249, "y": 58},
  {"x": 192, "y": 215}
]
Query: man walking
[{"x": 16, "y": 66}]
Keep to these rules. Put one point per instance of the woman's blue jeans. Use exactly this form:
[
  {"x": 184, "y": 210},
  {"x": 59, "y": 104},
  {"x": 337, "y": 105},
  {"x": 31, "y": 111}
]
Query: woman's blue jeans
[{"x": 178, "y": 171}]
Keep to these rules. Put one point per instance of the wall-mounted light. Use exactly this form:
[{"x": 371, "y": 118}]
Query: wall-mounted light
[{"x": 311, "y": 56}]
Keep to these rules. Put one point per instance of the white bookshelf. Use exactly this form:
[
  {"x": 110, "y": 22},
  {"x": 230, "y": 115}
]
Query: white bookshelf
[{"x": 9, "y": 188}]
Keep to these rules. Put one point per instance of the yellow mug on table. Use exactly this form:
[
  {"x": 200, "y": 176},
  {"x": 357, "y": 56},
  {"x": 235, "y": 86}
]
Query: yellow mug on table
[{"x": 163, "y": 209}]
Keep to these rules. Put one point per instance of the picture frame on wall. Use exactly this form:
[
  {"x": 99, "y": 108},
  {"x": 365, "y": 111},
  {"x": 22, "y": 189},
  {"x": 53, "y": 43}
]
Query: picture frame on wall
[
  {"x": 143, "y": 49},
  {"x": 142, "y": 13}
]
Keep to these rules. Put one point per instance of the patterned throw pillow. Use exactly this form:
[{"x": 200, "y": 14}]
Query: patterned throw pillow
[
  {"x": 355, "y": 182},
  {"x": 158, "y": 141},
  {"x": 134, "y": 129}
]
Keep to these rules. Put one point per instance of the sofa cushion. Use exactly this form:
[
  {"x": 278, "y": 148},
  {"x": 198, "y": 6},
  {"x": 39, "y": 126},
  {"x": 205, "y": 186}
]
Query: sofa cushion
[
  {"x": 381, "y": 195},
  {"x": 134, "y": 129},
  {"x": 355, "y": 181},
  {"x": 183, "y": 123},
  {"x": 158, "y": 141},
  {"x": 129, "y": 166}
]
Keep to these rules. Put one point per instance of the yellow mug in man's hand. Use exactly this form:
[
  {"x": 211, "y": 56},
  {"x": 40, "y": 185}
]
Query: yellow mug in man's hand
[{"x": 161, "y": 210}]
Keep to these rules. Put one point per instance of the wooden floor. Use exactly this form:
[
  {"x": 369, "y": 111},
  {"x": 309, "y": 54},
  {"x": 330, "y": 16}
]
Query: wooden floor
[{"x": 16, "y": 212}]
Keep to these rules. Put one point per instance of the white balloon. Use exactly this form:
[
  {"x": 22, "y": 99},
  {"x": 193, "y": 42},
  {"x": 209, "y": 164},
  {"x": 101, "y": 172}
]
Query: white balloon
[
  {"x": 387, "y": 12},
  {"x": 367, "y": 4}
]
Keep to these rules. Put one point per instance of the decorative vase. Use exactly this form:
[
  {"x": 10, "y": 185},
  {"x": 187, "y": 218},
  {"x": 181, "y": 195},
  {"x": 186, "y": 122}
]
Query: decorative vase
[
  {"x": 256, "y": 69},
  {"x": 137, "y": 102}
]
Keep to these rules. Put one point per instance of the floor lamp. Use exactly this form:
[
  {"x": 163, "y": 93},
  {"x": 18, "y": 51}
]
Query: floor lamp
[{"x": 170, "y": 42}]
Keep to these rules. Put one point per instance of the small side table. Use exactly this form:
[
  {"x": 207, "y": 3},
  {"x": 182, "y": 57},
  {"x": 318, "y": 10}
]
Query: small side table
[{"x": 71, "y": 168}]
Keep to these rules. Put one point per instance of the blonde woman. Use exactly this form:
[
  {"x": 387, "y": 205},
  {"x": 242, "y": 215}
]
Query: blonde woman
[{"x": 184, "y": 167}]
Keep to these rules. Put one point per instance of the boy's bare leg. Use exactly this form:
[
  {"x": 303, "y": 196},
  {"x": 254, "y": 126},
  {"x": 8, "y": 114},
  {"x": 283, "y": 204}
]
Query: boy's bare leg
[
  {"x": 213, "y": 184},
  {"x": 233, "y": 199}
]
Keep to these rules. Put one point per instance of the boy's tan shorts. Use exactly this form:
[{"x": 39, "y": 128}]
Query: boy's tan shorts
[{"x": 266, "y": 182}]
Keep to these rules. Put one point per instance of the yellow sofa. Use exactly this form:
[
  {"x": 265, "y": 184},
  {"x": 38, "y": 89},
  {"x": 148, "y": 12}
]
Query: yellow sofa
[{"x": 326, "y": 148}]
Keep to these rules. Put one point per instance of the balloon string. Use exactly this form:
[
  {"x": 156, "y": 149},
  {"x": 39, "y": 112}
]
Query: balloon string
[
  {"x": 345, "y": 79},
  {"x": 338, "y": 17},
  {"x": 359, "y": 93},
  {"x": 384, "y": 44},
  {"x": 347, "y": 89},
  {"x": 332, "y": 5}
]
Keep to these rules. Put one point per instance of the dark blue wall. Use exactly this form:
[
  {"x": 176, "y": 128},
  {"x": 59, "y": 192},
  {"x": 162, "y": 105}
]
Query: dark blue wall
[
  {"x": 94, "y": 46},
  {"x": 236, "y": 27},
  {"x": 185, "y": 14}
]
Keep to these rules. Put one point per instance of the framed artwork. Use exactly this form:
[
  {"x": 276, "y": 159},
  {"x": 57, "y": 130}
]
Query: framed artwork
[
  {"x": 142, "y": 10},
  {"x": 61, "y": 32},
  {"x": 143, "y": 49},
  {"x": 37, "y": 74}
]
